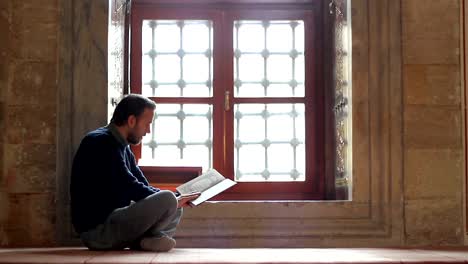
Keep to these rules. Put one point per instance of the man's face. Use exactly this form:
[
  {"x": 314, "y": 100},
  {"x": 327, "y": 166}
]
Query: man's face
[{"x": 140, "y": 127}]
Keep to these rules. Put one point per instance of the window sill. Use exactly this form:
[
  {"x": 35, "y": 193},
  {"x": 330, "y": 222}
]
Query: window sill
[{"x": 168, "y": 178}]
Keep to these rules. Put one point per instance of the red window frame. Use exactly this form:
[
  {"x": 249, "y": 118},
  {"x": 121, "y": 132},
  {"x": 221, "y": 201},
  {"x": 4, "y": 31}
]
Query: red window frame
[{"x": 223, "y": 15}]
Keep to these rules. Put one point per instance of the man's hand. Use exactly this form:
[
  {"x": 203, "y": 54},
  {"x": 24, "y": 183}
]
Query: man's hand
[{"x": 183, "y": 200}]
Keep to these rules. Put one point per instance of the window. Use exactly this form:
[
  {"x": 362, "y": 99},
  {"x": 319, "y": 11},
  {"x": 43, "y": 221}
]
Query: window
[{"x": 238, "y": 87}]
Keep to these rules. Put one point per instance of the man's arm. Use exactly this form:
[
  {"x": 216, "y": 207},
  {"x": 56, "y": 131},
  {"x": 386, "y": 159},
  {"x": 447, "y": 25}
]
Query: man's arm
[
  {"x": 125, "y": 180},
  {"x": 135, "y": 170}
]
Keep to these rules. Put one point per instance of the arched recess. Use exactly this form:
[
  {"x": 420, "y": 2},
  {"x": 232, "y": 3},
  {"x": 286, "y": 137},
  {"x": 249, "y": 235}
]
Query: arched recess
[{"x": 372, "y": 218}]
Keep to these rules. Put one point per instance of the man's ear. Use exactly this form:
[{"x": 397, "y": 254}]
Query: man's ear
[{"x": 131, "y": 121}]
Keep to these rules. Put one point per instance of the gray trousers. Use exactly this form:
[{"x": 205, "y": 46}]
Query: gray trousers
[{"x": 156, "y": 215}]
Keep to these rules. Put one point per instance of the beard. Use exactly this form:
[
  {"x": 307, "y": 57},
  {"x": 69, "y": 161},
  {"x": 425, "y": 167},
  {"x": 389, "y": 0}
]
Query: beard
[{"x": 133, "y": 139}]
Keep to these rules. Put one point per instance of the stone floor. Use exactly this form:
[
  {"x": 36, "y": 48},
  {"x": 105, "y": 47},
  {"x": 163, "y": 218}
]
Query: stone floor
[{"x": 250, "y": 255}]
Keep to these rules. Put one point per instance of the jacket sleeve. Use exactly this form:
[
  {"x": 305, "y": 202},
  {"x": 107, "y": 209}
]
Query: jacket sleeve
[
  {"x": 136, "y": 171},
  {"x": 125, "y": 182}
]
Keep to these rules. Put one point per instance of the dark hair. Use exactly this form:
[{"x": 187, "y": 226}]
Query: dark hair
[{"x": 132, "y": 104}]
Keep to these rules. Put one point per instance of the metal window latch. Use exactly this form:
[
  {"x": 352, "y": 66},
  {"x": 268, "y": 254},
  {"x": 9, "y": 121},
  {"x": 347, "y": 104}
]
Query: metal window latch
[
  {"x": 227, "y": 104},
  {"x": 114, "y": 101}
]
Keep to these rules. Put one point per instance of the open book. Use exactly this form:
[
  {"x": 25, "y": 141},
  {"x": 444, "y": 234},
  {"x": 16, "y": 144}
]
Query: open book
[{"x": 208, "y": 184}]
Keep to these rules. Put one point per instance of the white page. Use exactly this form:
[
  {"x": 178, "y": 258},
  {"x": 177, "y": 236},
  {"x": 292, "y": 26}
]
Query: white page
[
  {"x": 201, "y": 183},
  {"x": 218, "y": 188}
]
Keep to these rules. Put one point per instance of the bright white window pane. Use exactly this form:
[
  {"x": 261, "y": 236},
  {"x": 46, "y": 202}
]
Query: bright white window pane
[
  {"x": 196, "y": 156},
  {"x": 167, "y": 68},
  {"x": 251, "y": 128},
  {"x": 299, "y": 36},
  {"x": 197, "y": 90},
  {"x": 251, "y": 158},
  {"x": 280, "y": 108},
  {"x": 167, "y": 129},
  {"x": 182, "y": 131},
  {"x": 279, "y": 90},
  {"x": 280, "y": 127},
  {"x": 178, "y": 54},
  {"x": 197, "y": 108},
  {"x": 279, "y": 68},
  {"x": 196, "y": 68},
  {"x": 196, "y": 36},
  {"x": 300, "y": 122},
  {"x": 251, "y": 68},
  {"x": 167, "y": 108},
  {"x": 146, "y": 40},
  {"x": 250, "y": 90},
  {"x": 299, "y": 90},
  {"x": 167, "y": 37},
  {"x": 300, "y": 160},
  {"x": 279, "y": 37},
  {"x": 299, "y": 69},
  {"x": 284, "y": 146},
  {"x": 283, "y": 51},
  {"x": 147, "y": 69},
  {"x": 251, "y": 37},
  {"x": 280, "y": 158},
  {"x": 250, "y": 108},
  {"x": 196, "y": 129},
  {"x": 146, "y": 152},
  {"x": 164, "y": 90},
  {"x": 167, "y": 156}
]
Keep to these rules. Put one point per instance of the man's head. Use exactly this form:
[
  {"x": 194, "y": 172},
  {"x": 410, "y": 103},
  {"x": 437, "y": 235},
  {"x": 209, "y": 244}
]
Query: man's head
[{"x": 133, "y": 116}]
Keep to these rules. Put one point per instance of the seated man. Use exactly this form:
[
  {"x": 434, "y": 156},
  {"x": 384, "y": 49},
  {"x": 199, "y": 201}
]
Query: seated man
[{"x": 112, "y": 204}]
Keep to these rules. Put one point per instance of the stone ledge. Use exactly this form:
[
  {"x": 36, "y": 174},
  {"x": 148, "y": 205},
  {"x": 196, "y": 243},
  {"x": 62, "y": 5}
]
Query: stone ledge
[{"x": 238, "y": 255}]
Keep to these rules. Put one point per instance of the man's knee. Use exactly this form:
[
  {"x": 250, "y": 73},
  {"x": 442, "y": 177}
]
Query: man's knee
[{"x": 164, "y": 198}]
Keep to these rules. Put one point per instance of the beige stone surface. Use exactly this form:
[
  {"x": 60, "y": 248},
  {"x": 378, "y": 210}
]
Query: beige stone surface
[
  {"x": 35, "y": 24},
  {"x": 35, "y": 154},
  {"x": 5, "y": 19},
  {"x": 2, "y": 165},
  {"x": 428, "y": 51},
  {"x": 29, "y": 168},
  {"x": 31, "y": 124},
  {"x": 433, "y": 222},
  {"x": 419, "y": 23},
  {"x": 432, "y": 127},
  {"x": 427, "y": 40},
  {"x": 33, "y": 83},
  {"x": 30, "y": 179},
  {"x": 432, "y": 84},
  {"x": 31, "y": 220},
  {"x": 2, "y": 120},
  {"x": 433, "y": 173}
]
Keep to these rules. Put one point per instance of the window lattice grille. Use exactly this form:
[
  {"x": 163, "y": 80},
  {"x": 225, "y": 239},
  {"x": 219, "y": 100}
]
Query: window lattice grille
[
  {"x": 268, "y": 58},
  {"x": 269, "y": 142},
  {"x": 177, "y": 58},
  {"x": 269, "y": 62},
  {"x": 177, "y": 62}
]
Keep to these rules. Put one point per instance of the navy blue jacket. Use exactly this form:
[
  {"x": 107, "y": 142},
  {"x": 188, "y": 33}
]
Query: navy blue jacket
[{"x": 104, "y": 177}]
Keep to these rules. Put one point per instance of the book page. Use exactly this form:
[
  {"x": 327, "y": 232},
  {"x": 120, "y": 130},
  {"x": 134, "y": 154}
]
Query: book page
[
  {"x": 201, "y": 183},
  {"x": 218, "y": 188}
]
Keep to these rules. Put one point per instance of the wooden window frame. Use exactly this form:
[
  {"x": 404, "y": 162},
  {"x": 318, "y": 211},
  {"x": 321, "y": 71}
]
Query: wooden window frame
[{"x": 316, "y": 101}]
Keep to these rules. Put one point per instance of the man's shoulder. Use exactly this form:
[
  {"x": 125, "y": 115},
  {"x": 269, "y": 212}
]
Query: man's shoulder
[{"x": 101, "y": 135}]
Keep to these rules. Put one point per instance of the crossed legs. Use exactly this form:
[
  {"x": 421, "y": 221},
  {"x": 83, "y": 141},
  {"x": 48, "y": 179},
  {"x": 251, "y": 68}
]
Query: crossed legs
[{"x": 153, "y": 220}]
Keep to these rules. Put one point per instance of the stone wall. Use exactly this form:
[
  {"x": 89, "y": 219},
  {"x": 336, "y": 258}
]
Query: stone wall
[
  {"x": 28, "y": 88},
  {"x": 32, "y": 53},
  {"x": 433, "y": 126}
]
